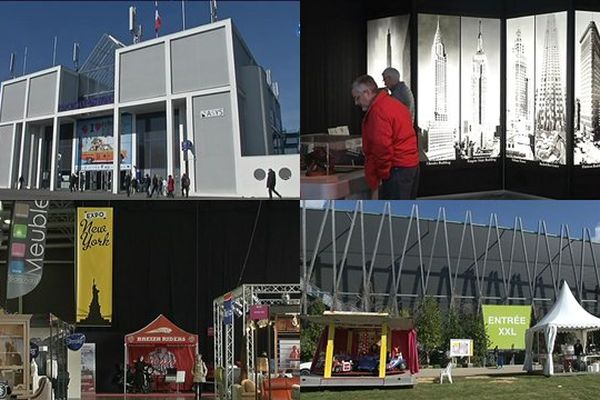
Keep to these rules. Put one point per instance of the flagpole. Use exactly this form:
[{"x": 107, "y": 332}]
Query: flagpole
[
  {"x": 183, "y": 13},
  {"x": 25, "y": 60},
  {"x": 54, "y": 53},
  {"x": 157, "y": 21}
]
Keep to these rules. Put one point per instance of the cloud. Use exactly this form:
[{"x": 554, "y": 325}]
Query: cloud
[
  {"x": 596, "y": 236},
  {"x": 320, "y": 204}
]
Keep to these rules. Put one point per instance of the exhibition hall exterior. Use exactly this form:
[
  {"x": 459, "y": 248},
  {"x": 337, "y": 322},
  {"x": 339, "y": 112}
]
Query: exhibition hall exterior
[
  {"x": 195, "y": 101},
  {"x": 378, "y": 257}
]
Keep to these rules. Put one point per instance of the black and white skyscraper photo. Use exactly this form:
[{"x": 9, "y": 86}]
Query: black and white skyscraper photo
[
  {"x": 551, "y": 71},
  {"x": 479, "y": 135},
  {"x": 587, "y": 88},
  {"x": 439, "y": 86},
  {"x": 520, "y": 72},
  {"x": 536, "y": 88},
  {"x": 388, "y": 45}
]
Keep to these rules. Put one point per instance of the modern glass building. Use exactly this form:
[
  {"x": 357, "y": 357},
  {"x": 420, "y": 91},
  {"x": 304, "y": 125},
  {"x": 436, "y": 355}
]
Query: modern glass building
[{"x": 194, "y": 102}]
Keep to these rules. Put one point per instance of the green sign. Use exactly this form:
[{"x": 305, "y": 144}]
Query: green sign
[{"x": 506, "y": 325}]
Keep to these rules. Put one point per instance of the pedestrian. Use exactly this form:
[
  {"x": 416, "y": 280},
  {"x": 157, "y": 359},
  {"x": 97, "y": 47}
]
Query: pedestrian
[
  {"x": 398, "y": 89},
  {"x": 71, "y": 182},
  {"x": 271, "y": 182},
  {"x": 199, "y": 375},
  {"x": 160, "y": 187},
  {"x": 171, "y": 187},
  {"x": 499, "y": 354},
  {"x": 134, "y": 184},
  {"x": 21, "y": 182},
  {"x": 163, "y": 186},
  {"x": 128, "y": 183},
  {"x": 81, "y": 181},
  {"x": 512, "y": 354},
  {"x": 154, "y": 186},
  {"x": 146, "y": 184},
  {"x": 389, "y": 142},
  {"x": 185, "y": 185}
]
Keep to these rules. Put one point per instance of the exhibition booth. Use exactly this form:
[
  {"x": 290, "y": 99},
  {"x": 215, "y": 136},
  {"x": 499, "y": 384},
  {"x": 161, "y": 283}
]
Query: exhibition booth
[
  {"x": 257, "y": 342},
  {"x": 363, "y": 349},
  {"x": 566, "y": 315},
  {"x": 169, "y": 352},
  {"x": 506, "y": 98}
]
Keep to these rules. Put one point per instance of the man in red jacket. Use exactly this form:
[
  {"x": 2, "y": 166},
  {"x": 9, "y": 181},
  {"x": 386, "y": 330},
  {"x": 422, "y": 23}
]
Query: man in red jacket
[{"x": 389, "y": 142}]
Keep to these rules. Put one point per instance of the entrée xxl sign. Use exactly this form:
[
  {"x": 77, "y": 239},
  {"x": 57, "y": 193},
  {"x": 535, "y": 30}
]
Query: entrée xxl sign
[{"x": 94, "y": 233}]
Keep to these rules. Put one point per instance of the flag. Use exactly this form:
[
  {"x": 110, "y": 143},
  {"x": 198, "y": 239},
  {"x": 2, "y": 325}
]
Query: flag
[{"x": 157, "y": 20}]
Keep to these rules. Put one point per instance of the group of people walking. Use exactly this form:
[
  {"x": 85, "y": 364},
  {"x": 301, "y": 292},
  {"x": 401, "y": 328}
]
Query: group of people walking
[
  {"x": 77, "y": 182},
  {"x": 156, "y": 184}
]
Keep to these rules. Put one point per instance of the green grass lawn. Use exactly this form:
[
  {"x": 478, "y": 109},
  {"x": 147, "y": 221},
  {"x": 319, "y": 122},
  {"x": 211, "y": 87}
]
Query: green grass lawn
[{"x": 501, "y": 387}]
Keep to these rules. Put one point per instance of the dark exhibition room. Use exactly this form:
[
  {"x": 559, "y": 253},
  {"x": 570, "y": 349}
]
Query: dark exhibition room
[
  {"x": 505, "y": 95},
  {"x": 153, "y": 276}
]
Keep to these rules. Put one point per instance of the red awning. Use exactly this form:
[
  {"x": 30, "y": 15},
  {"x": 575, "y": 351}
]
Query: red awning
[{"x": 161, "y": 331}]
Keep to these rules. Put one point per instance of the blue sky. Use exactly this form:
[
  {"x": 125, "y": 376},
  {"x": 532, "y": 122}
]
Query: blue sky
[
  {"x": 576, "y": 214},
  {"x": 270, "y": 29}
]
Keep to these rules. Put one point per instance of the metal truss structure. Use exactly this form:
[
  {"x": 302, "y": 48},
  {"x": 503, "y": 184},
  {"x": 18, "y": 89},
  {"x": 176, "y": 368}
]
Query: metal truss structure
[
  {"x": 243, "y": 298},
  {"x": 354, "y": 260}
]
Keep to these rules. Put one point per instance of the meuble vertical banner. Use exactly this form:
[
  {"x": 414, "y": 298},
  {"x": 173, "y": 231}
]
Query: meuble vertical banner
[
  {"x": 94, "y": 266},
  {"x": 27, "y": 247}
]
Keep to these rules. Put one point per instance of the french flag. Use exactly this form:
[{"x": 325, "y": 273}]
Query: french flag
[{"x": 157, "y": 20}]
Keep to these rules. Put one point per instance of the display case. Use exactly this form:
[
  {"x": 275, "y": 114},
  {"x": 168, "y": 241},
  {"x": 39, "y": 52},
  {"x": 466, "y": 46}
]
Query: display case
[
  {"x": 332, "y": 167},
  {"x": 14, "y": 351},
  {"x": 323, "y": 154}
]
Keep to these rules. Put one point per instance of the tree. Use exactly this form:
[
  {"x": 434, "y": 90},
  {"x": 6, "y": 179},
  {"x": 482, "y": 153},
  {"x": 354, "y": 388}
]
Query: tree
[
  {"x": 429, "y": 326},
  {"x": 475, "y": 329},
  {"x": 311, "y": 332},
  {"x": 453, "y": 327},
  {"x": 404, "y": 313}
]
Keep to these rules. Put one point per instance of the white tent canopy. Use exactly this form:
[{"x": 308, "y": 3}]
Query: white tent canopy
[{"x": 566, "y": 315}]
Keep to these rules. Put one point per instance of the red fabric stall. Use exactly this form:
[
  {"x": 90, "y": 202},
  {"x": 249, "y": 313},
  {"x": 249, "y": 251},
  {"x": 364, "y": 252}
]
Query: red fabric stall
[
  {"x": 163, "y": 345},
  {"x": 406, "y": 343}
]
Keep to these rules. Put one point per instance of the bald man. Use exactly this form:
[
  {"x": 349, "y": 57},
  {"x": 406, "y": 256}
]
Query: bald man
[{"x": 398, "y": 89}]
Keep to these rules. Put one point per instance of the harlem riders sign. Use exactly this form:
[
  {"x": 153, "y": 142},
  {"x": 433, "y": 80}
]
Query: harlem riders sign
[{"x": 27, "y": 247}]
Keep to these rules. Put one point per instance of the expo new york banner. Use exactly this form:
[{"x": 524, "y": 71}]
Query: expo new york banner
[
  {"x": 94, "y": 266},
  {"x": 27, "y": 247}
]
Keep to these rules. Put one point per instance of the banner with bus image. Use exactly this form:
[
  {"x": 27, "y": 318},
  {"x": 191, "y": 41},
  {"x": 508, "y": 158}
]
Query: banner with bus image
[{"x": 95, "y": 150}]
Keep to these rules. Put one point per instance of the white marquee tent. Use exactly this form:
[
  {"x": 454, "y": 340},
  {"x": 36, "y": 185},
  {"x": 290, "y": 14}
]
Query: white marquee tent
[{"x": 566, "y": 315}]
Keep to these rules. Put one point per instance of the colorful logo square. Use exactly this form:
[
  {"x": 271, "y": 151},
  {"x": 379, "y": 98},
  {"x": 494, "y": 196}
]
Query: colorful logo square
[
  {"x": 19, "y": 231},
  {"x": 21, "y": 210},
  {"x": 17, "y": 266},
  {"x": 17, "y": 250}
]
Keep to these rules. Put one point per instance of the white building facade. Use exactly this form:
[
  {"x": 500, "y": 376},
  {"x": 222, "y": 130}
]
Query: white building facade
[{"x": 194, "y": 102}]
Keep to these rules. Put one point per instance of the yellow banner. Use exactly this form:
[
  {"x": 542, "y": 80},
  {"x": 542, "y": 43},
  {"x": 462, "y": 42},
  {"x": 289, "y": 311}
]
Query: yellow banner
[{"x": 94, "y": 266}]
